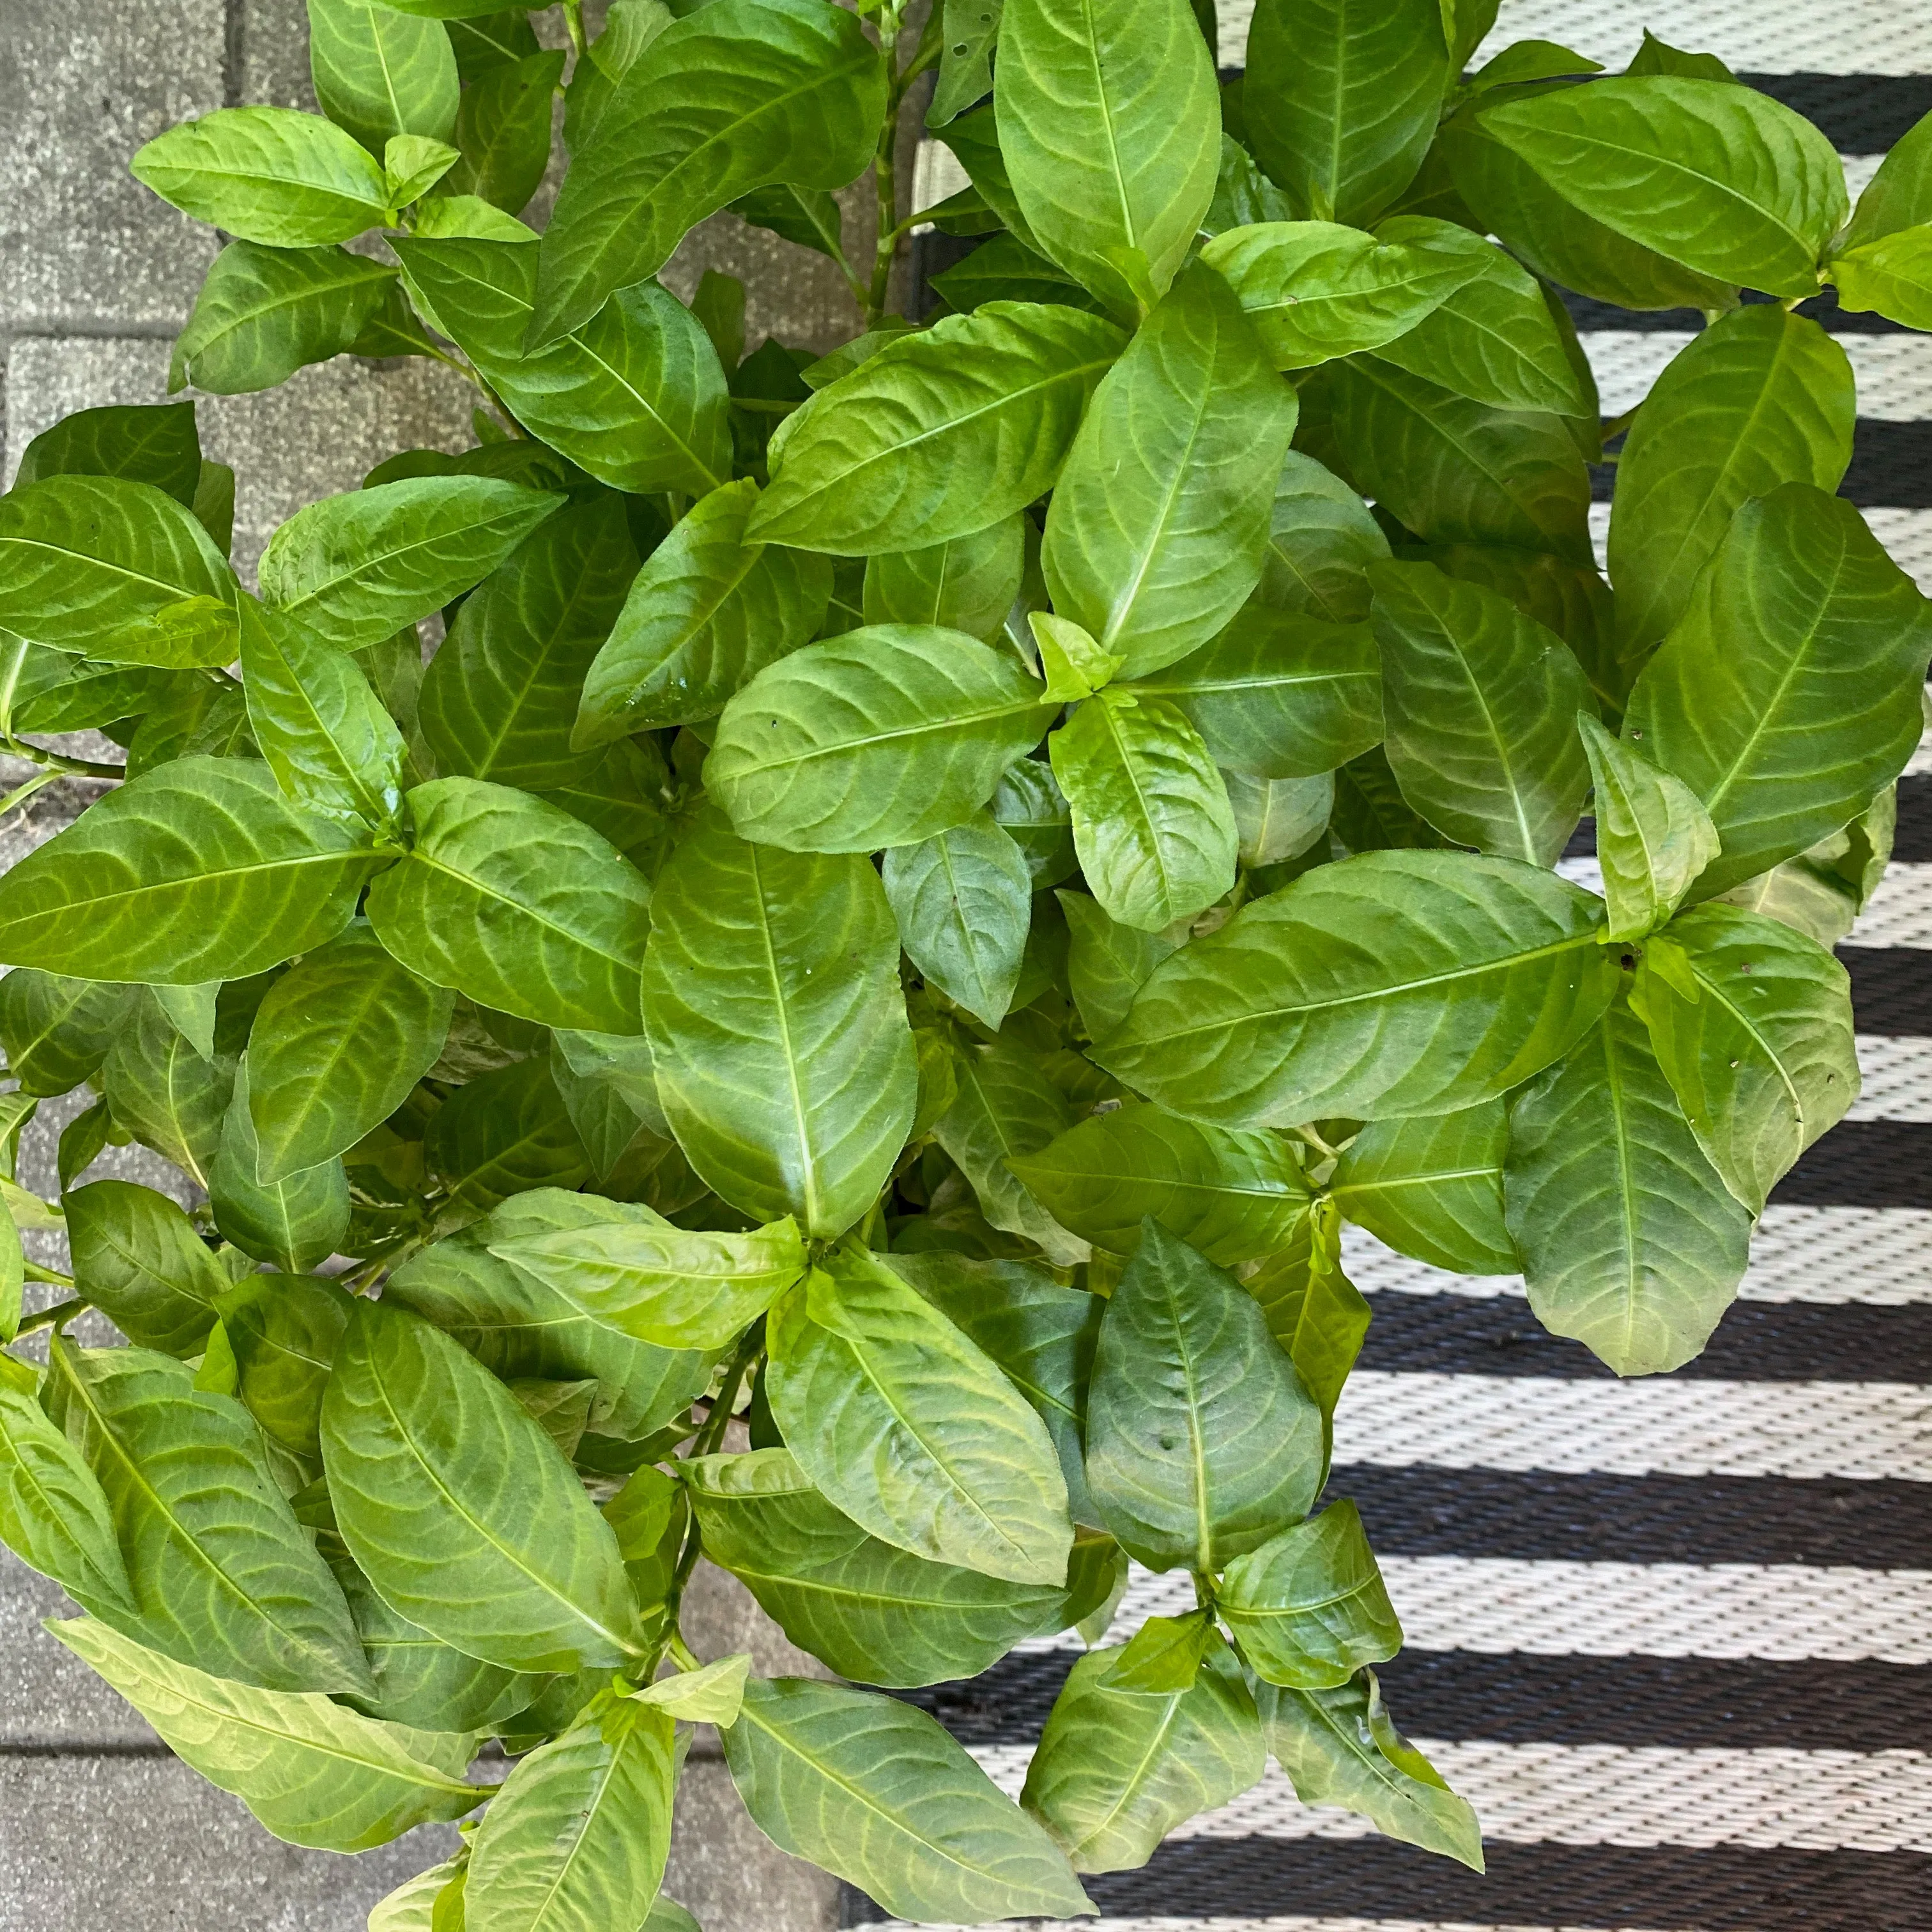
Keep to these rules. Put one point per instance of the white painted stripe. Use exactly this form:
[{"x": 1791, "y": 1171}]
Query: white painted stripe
[
  {"x": 1900, "y": 911},
  {"x": 1612, "y": 1794},
  {"x": 1546, "y": 1607},
  {"x": 1906, "y": 535},
  {"x": 1894, "y": 373},
  {"x": 1650, "y": 1426},
  {"x": 1219, "y": 1924},
  {"x": 1897, "y": 1078}
]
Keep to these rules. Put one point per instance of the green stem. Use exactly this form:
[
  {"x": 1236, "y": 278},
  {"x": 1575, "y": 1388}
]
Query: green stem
[
  {"x": 52, "y": 1318},
  {"x": 573, "y": 19},
  {"x": 885, "y": 175}
]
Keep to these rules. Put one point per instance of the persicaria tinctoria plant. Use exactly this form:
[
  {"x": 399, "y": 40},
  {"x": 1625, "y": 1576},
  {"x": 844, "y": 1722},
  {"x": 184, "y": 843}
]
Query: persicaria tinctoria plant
[{"x": 917, "y": 891}]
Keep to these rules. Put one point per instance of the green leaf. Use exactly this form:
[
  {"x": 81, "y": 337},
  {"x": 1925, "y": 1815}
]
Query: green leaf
[
  {"x": 1481, "y": 702},
  {"x": 707, "y": 612},
  {"x": 1899, "y": 196},
  {"x": 971, "y": 27},
  {"x": 1629, "y": 1243},
  {"x": 379, "y": 73},
  {"x": 1456, "y": 471},
  {"x": 1164, "y": 1654},
  {"x": 1654, "y": 836},
  {"x": 54, "y": 1515},
  {"x": 1788, "y": 693},
  {"x": 1892, "y": 275},
  {"x": 1341, "y": 102},
  {"x": 413, "y": 164},
  {"x": 505, "y": 1131},
  {"x": 738, "y": 94},
  {"x": 1243, "y": 196},
  {"x": 295, "y": 1223},
  {"x": 1391, "y": 983},
  {"x": 356, "y": 568},
  {"x": 1108, "y": 122},
  {"x": 1758, "y": 399},
  {"x": 712, "y": 1694},
  {"x": 116, "y": 570},
  {"x": 1107, "y": 963},
  {"x": 785, "y": 1064},
  {"x": 1160, "y": 520},
  {"x": 454, "y": 217},
  {"x": 500, "y": 698},
  {"x": 867, "y": 1609},
  {"x": 197, "y": 872},
  {"x": 152, "y": 443},
  {"x": 57, "y": 1031},
  {"x": 1315, "y": 290},
  {"x": 968, "y": 584},
  {"x": 1309, "y": 1607},
  {"x": 1230, "y": 1196},
  {"x": 503, "y": 129},
  {"x": 964, "y": 900},
  {"x": 1003, "y": 269},
  {"x": 1202, "y": 1442},
  {"x": 158, "y": 1088},
  {"x": 1723, "y": 179},
  {"x": 1151, "y": 820},
  {"x": 516, "y": 903},
  {"x": 1027, "y": 802},
  {"x": 284, "y": 1329},
  {"x": 1433, "y": 1188},
  {"x": 1117, "y": 1770},
  {"x": 876, "y": 1793},
  {"x": 268, "y": 174},
  {"x": 263, "y": 313},
  {"x": 1278, "y": 819},
  {"x": 138, "y": 1259},
  {"x": 1752, "y": 1025},
  {"x": 634, "y": 393},
  {"x": 939, "y": 434},
  {"x": 1321, "y": 540},
  {"x": 1338, "y": 1747},
  {"x": 334, "y": 1049},
  {"x": 578, "y": 1833},
  {"x": 883, "y": 736},
  {"x": 460, "y": 1510},
  {"x": 679, "y": 1287},
  {"x": 223, "y": 1576},
  {"x": 911, "y": 1428},
  {"x": 1279, "y": 694}
]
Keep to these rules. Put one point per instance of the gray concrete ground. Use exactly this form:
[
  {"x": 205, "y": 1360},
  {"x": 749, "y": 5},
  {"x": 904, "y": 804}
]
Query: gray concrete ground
[{"x": 99, "y": 1825}]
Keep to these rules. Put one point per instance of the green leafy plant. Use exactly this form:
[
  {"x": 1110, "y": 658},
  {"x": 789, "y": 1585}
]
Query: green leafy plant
[{"x": 918, "y": 891}]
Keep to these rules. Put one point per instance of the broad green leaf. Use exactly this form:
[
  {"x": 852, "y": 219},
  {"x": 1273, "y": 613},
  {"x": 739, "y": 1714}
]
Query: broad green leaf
[
  {"x": 1822, "y": 890},
  {"x": 1107, "y": 963},
  {"x": 971, "y": 27},
  {"x": 635, "y": 393},
  {"x": 883, "y": 736},
  {"x": 118, "y": 571},
  {"x": 622, "y": 1063},
  {"x": 1202, "y": 1442},
  {"x": 809, "y": 216},
  {"x": 334, "y": 1049},
  {"x": 1321, "y": 538},
  {"x": 333, "y": 749},
  {"x": 578, "y": 1835},
  {"x": 1338, "y": 1748},
  {"x": 1315, "y": 290},
  {"x": 968, "y": 584},
  {"x": 1759, "y": 398},
  {"x": 1027, "y": 802},
  {"x": 990, "y": 202},
  {"x": 1230, "y": 1196},
  {"x": 1456, "y": 471},
  {"x": 712, "y": 1694},
  {"x": 1900, "y": 194},
  {"x": 379, "y": 73},
  {"x": 283, "y": 1329},
  {"x": 680, "y": 1288},
  {"x": 1432, "y": 1187},
  {"x": 460, "y": 1510},
  {"x": 295, "y": 1223},
  {"x": 456, "y": 218},
  {"x": 312, "y": 1772},
  {"x": 1279, "y": 694},
  {"x": 149, "y": 442},
  {"x": 939, "y": 434},
  {"x": 1278, "y": 819},
  {"x": 865, "y": 1608},
  {"x": 139, "y": 1260},
  {"x": 1629, "y": 1243},
  {"x": 263, "y": 313},
  {"x": 963, "y": 899},
  {"x": 738, "y": 94},
  {"x": 54, "y": 1515},
  {"x": 57, "y": 1031},
  {"x": 356, "y": 568},
  {"x": 624, "y": 796},
  {"x": 1108, "y": 122},
  {"x": 412, "y": 1906},
  {"x": 1003, "y": 269},
  {"x": 707, "y": 614},
  {"x": 1788, "y": 693},
  {"x": 1892, "y": 275},
  {"x": 198, "y": 870},
  {"x": 1309, "y": 1607},
  {"x": 1164, "y": 1654},
  {"x": 1117, "y": 1770},
  {"x": 503, "y": 131},
  {"x": 911, "y": 1428},
  {"x": 223, "y": 1576},
  {"x": 1394, "y": 983},
  {"x": 1160, "y": 520},
  {"x": 1723, "y": 179},
  {"x": 159, "y": 1088},
  {"x": 1151, "y": 820},
  {"x": 516, "y": 903},
  {"x": 1654, "y": 836},
  {"x": 1481, "y": 704},
  {"x": 502, "y": 1133},
  {"x": 1341, "y": 99},
  {"x": 876, "y": 1792},
  {"x": 500, "y": 698},
  {"x": 268, "y": 174},
  {"x": 1752, "y": 1025},
  {"x": 1243, "y": 196},
  {"x": 1313, "y": 1310}
]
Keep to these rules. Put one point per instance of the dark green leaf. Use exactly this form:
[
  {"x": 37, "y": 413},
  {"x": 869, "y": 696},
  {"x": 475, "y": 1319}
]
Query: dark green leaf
[
  {"x": 502, "y": 128},
  {"x": 503, "y": 1132},
  {"x": 1107, "y": 962},
  {"x": 1321, "y": 539},
  {"x": 54, "y": 1514},
  {"x": 1433, "y": 1188},
  {"x": 379, "y": 73},
  {"x": 968, "y": 584},
  {"x": 1654, "y": 837},
  {"x": 963, "y": 899},
  {"x": 153, "y": 442},
  {"x": 138, "y": 1259},
  {"x": 284, "y": 1329},
  {"x": 160, "y": 1089},
  {"x": 295, "y": 1222},
  {"x": 57, "y": 1031}
]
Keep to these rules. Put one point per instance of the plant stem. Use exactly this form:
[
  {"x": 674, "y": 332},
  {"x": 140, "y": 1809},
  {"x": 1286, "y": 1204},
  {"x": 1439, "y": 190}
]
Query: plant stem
[
  {"x": 51, "y": 1318},
  {"x": 573, "y": 19}
]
